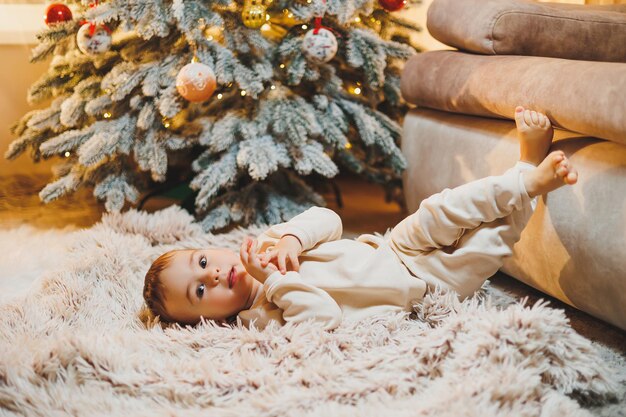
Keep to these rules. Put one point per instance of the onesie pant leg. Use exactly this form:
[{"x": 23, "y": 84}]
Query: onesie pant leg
[
  {"x": 460, "y": 237},
  {"x": 477, "y": 255}
]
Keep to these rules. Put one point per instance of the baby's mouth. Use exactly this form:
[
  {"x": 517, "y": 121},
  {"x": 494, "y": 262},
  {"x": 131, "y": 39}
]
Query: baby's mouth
[{"x": 232, "y": 278}]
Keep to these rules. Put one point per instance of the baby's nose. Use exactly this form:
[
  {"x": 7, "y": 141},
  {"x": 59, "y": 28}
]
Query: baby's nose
[{"x": 214, "y": 276}]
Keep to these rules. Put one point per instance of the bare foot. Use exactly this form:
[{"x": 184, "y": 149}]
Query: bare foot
[
  {"x": 535, "y": 135},
  {"x": 553, "y": 172}
]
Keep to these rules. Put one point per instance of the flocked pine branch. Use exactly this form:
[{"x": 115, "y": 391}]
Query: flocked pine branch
[{"x": 277, "y": 124}]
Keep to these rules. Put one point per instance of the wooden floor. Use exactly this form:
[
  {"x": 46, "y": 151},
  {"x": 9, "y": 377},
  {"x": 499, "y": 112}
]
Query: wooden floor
[{"x": 364, "y": 211}]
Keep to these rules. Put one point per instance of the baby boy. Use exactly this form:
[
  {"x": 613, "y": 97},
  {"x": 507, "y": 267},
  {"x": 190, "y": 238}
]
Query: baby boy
[{"x": 302, "y": 270}]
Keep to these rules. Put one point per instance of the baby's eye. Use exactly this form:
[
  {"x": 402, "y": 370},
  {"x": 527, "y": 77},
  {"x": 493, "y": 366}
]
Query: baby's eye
[
  {"x": 203, "y": 262},
  {"x": 200, "y": 290}
]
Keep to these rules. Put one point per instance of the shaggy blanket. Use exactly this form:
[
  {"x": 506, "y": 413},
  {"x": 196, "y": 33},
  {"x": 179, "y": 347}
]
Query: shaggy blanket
[{"x": 72, "y": 343}]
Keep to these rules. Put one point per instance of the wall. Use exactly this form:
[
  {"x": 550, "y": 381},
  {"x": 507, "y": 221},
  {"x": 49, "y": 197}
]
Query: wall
[{"x": 18, "y": 25}]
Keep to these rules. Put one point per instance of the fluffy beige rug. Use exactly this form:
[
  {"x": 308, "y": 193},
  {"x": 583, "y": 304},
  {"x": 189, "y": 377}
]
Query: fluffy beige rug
[{"x": 71, "y": 344}]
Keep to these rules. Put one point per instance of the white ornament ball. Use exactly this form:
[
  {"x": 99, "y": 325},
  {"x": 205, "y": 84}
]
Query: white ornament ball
[
  {"x": 196, "y": 82},
  {"x": 94, "y": 44},
  {"x": 321, "y": 46}
]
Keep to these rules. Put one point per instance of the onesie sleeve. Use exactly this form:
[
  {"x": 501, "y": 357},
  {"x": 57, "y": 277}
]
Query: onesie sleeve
[
  {"x": 300, "y": 301},
  {"x": 312, "y": 227}
]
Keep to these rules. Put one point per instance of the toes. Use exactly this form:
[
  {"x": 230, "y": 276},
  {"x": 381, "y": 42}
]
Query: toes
[
  {"x": 543, "y": 120},
  {"x": 562, "y": 169},
  {"x": 571, "y": 177},
  {"x": 519, "y": 116},
  {"x": 528, "y": 118},
  {"x": 556, "y": 157},
  {"x": 534, "y": 117}
]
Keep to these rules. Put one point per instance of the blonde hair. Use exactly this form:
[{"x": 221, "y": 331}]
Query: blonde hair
[{"x": 153, "y": 288}]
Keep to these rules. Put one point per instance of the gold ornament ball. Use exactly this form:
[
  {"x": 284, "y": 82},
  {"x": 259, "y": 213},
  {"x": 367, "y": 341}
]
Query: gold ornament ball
[
  {"x": 196, "y": 82},
  {"x": 253, "y": 15}
]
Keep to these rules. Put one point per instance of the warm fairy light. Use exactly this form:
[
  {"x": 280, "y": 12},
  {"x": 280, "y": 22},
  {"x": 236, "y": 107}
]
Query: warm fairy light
[
  {"x": 219, "y": 96},
  {"x": 373, "y": 19},
  {"x": 357, "y": 90},
  {"x": 266, "y": 27},
  {"x": 67, "y": 154},
  {"x": 243, "y": 93},
  {"x": 282, "y": 65},
  {"x": 348, "y": 145},
  {"x": 267, "y": 17},
  {"x": 290, "y": 15},
  {"x": 305, "y": 27},
  {"x": 166, "y": 124},
  {"x": 209, "y": 38},
  {"x": 357, "y": 19},
  {"x": 309, "y": 1},
  {"x": 106, "y": 115},
  {"x": 273, "y": 87}
]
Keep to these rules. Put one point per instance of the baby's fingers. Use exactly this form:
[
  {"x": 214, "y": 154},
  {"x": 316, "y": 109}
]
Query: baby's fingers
[
  {"x": 243, "y": 251},
  {"x": 267, "y": 257},
  {"x": 282, "y": 266},
  {"x": 295, "y": 263}
]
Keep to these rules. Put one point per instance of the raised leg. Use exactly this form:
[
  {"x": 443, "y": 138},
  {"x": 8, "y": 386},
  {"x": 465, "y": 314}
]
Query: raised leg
[
  {"x": 460, "y": 237},
  {"x": 442, "y": 218}
]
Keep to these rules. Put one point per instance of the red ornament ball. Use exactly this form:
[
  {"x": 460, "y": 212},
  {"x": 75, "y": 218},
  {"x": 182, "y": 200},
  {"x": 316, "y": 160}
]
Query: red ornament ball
[
  {"x": 392, "y": 5},
  {"x": 56, "y": 13}
]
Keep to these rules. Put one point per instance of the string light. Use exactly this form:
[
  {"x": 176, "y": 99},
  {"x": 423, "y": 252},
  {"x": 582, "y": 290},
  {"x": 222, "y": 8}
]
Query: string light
[
  {"x": 282, "y": 65},
  {"x": 357, "y": 90},
  {"x": 166, "y": 122},
  {"x": 266, "y": 27},
  {"x": 305, "y": 27},
  {"x": 357, "y": 19},
  {"x": 106, "y": 115},
  {"x": 67, "y": 154},
  {"x": 219, "y": 96},
  {"x": 243, "y": 93},
  {"x": 348, "y": 145},
  {"x": 273, "y": 87}
]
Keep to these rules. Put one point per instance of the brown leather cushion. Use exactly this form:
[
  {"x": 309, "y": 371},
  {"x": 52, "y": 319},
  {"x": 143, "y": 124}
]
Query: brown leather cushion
[
  {"x": 522, "y": 27},
  {"x": 582, "y": 96}
]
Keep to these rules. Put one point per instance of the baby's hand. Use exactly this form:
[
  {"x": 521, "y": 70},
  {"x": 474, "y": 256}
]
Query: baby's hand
[
  {"x": 250, "y": 260},
  {"x": 288, "y": 247}
]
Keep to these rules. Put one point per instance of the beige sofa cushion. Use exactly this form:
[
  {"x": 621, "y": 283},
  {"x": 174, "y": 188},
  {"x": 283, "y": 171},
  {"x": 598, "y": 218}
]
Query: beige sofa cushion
[
  {"x": 523, "y": 27},
  {"x": 582, "y": 96},
  {"x": 574, "y": 245}
]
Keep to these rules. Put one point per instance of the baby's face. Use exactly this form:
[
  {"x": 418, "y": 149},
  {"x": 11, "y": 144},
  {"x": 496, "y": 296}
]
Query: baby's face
[{"x": 211, "y": 283}]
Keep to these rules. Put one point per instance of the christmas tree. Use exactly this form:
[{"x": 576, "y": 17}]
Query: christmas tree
[{"x": 254, "y": 104}]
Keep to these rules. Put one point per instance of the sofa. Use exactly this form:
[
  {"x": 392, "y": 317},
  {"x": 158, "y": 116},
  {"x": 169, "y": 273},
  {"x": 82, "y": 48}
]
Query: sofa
[{"x": 568, "y": 61}]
